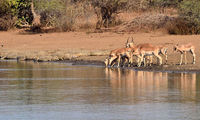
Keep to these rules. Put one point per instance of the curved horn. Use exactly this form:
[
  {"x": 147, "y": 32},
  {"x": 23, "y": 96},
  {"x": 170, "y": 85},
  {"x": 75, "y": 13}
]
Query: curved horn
[
  {"x": 127, "y": 40},
  {"x": 132, "y": 39}
]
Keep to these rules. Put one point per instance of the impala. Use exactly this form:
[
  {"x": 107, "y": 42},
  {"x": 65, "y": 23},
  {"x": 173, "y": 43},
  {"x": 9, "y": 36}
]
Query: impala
[
  {"x": 149, "y": 51},
  {"x": 185, "y": 48},
  {"x": 162, "y": 49},
  {"x": 138, "y": 47},
  {"x": 118, "y": 54}
]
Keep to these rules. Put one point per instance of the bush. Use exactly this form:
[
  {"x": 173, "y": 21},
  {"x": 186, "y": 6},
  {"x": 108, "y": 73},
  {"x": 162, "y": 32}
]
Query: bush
[
  {"x": 7, "y": 22},
  {"x": 190, "y": 12},
  {"x": 7, "y": 19},
  {"x": 164, "y": 3},
  {"x": 146, "y": 22},
  {"x": 60, "y": 14},
  {"x": 106, "y": 10},
  {"x": 188, "y": 21},
  {"x": 180, "y": 26}
]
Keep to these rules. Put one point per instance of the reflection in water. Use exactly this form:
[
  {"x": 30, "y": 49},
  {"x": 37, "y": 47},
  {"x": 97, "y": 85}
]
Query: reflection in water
[
  {"x": 62, "y": 91},
  {"x": 143, "y": 83}
]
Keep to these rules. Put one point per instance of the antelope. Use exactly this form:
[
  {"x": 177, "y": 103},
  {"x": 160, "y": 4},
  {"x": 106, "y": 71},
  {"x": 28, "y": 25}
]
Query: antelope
[
  {"x": 106, "y": 61},
  {"x": 137, "y": 47},
  {"x": 149, "y": 51},
  {"x": 132, "y": 44},
  {"x": 118, "y": 54},
  {"x": 162, "y": 48},
  {"x": 183, "y": 49}
]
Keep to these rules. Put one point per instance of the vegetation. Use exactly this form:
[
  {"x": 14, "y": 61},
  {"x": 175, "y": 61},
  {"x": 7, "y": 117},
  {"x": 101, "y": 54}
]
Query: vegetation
[{"x": 63, "y": 15}]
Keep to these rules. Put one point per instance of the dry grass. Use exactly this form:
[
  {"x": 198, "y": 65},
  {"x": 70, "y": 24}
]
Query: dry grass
[
  {"x": 145, "y": 22},
  {"x": 180, "y": 26},
  {"x": 7, "y": 22}
]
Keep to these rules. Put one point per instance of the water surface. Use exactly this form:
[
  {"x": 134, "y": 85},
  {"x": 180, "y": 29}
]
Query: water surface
[{"x": 57, "y": 91}]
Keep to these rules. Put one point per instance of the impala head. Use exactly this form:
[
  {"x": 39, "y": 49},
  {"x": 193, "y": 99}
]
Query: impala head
[
  {"x": 129, "y": 44},
  {"x": 175, "y": 47}
]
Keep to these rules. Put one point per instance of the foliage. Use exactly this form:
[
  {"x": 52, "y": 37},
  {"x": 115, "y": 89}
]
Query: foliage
[
  {"x": 106, "y": 11},
  {"x": 190, "y": 10},
  {"x": 21, "y": 10},
  {"x": 189, "y": 18},
  {"x": 62, "y": 14},
  {"x": 164, "y": 3},
  {"x": 7, "y": 19}
]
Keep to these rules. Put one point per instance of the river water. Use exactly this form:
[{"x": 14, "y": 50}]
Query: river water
[{"x": 57, "y": 91}]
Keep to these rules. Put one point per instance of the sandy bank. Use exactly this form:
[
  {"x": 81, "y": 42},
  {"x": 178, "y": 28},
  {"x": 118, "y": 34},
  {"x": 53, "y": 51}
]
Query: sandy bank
[{"x": 91, "y": 48}]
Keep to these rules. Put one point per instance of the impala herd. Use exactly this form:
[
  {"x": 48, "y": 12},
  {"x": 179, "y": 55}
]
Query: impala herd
[{"x": 144, "y": 54}]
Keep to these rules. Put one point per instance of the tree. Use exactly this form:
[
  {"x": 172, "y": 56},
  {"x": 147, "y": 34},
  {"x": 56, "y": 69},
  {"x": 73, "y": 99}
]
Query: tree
[
  {"x": 189, "y": 10},
  {"x": 105, "y": 9}
]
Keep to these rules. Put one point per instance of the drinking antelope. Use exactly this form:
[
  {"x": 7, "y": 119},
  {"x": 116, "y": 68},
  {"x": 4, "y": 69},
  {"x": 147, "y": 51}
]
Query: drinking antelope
[
  {"x": 118, "y": 54},
  {"x": 185, "y": 48},
  {"x": 106, "y": 61}
]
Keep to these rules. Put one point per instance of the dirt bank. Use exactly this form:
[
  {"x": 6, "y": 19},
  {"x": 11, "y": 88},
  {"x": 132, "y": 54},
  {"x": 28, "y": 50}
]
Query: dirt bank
[{"x": 92, "y": 47}]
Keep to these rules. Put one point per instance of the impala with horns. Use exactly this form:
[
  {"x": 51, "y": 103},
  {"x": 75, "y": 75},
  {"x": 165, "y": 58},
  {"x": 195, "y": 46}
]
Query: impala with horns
[
  {"x": 162, "y": 48},
  {"x": 185, "y": 48},
  {"x": 131, "y": 44}
]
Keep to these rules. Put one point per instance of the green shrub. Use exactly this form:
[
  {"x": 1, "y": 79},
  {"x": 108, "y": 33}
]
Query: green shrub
[
  {"x": 60, "y": 14},
  {"x": 14, "y": 13},
  {"x": 190, "y": 11},
  {"x": 188, "y": 21},
  {"x": 7, "y": 18}
]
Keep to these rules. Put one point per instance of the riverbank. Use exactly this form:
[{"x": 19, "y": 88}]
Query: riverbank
[{"x": 91, "y": 48}]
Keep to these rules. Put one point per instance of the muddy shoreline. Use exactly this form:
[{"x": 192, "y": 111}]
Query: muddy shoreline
[
  {"x": 155, "y": 68},
  {"x": 189, "y": 68}
]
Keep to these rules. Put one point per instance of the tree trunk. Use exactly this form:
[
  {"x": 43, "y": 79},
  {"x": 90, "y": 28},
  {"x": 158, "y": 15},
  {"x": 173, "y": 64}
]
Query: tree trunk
[{"x": 36, "y": 18}]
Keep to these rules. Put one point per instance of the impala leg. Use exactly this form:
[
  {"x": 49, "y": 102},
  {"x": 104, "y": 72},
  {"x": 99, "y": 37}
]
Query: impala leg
[
  {"x": 125, "y": 60},
  {"x": 144, "y": 61},
  {"x": 185, "y": 58},
  {"x": 141, "y": 59},
  {"x": 131, "y": 59},
  {"x": 151, "y": 60},
  {"x": 181, "y": 59},
  {"x": 166, "y": 57},
  {"x": 111, "y": 60},
  {"x": 194, "y": 56},
  {"x": 119, "y": 60},
  {"x": 106, "y": 62},
  {"x": 160, "y": 58},
  {"x": 138, "y": 60}
]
